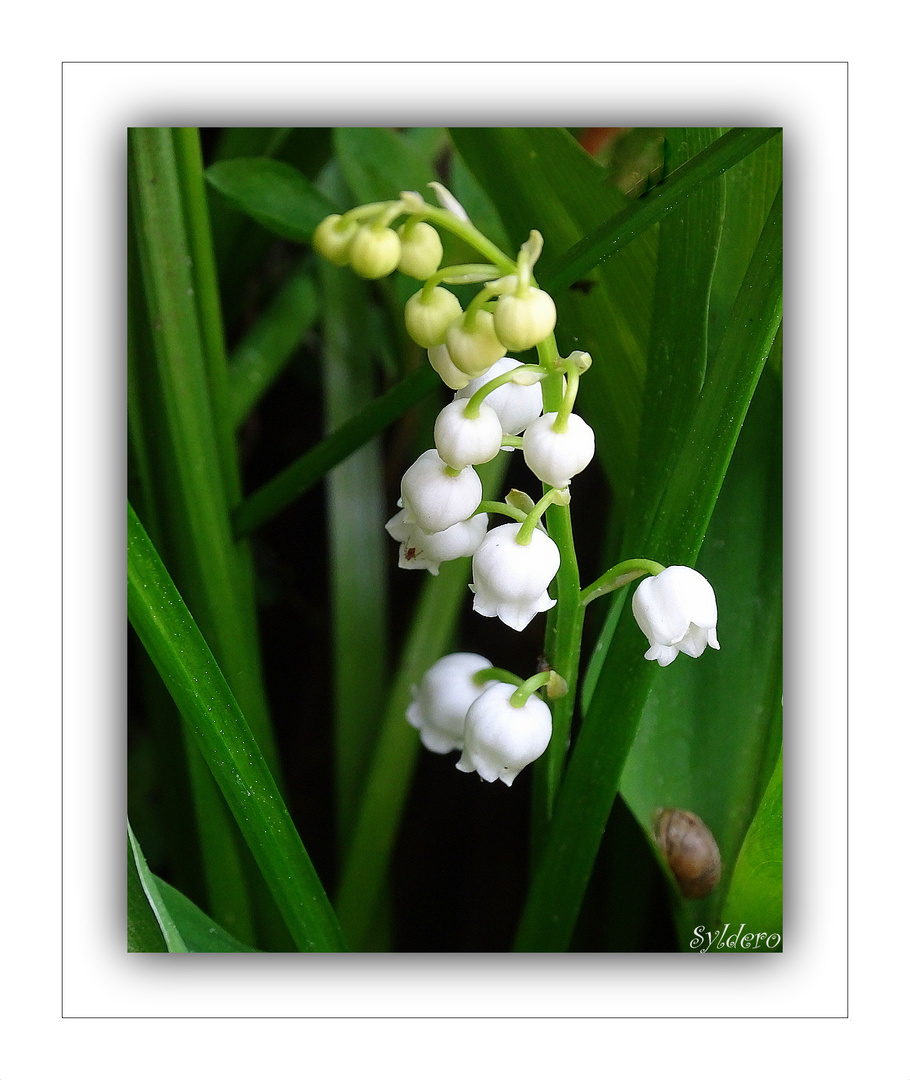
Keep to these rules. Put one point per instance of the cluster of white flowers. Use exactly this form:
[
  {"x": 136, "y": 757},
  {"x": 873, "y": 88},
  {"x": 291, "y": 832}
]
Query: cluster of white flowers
[
  {"x": 498, "y": 405},
  {"x": 454, "y": 710}
]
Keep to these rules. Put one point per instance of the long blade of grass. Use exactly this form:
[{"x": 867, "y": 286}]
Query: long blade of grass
[
  {"x": 312, "y": 466},
  {"x": 392, "y": 766},
  {"x": 172, "y": 639},
  {"x": 159, "y": 909},
  {"x": 595, "y": 767},
  {"x": 642, "y": 213}
]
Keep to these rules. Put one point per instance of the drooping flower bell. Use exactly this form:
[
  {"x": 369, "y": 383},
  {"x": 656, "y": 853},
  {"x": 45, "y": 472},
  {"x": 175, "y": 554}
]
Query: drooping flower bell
[
  {"x": 500, "y": 739},
  {"x": 463, "y": 440},
  {"x": 516, "y": 405},
  {"x": 441, "y": 363},
  {"x": 677, "y": 612},
  {"x": 435, "y": 499},
  {"x": 556, "y": 456},
  {"x": 440, "y": 702},
  {"x": 426, "y": 551},
  {"x": 511, "y": 579}
]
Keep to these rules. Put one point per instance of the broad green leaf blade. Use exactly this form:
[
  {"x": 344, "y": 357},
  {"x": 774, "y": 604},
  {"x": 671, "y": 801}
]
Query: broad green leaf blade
[
  {"x": 379, "y": 163},
  {"x": 173, "y": 641},
  {"x": 755, "y": 899},
  {"x": 688, "y": 241},
  {"x": 540, "y": 178},
  {"x": 141, "y": 932},
  {"x": 200, "y": 934},
  {"x": 357, "y": 542},
  {"x": 273, "y": 193},
  {"x": 676, "y": 536},
  {"x": 710, "y": 731}
]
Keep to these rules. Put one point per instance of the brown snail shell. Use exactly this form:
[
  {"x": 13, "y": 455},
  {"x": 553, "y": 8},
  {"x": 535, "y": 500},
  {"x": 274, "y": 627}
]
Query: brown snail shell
[{"x": 690, "y": 850}]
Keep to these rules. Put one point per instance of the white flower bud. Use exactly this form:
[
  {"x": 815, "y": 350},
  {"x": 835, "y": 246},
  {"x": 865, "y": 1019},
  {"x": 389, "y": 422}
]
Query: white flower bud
[
  {"x": 423, "y": 551},
  {"x": 332, "y": 238},
  {"x": 500, "y": 738},
  {"x": 523, "y": 320},
  {"x": 477, "y": 348},
  {"x": 516, "y": 406},
  {"x": 556, "y": 456},
  {"x": 441, "y": 363},
  {"x": 511, "y": 579},
  {"x": 677, "y": 612},
  {"x": 374, "y": 253},
  {"x": 433, "y": 499},
  {"x": 428, "y": 318},
  {"x": 462, "y": 440},
  {"x": 440, "y": 703},
  {"x": 421, "y": 250}
]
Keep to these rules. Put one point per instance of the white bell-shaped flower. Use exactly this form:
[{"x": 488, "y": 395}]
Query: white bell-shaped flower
[
  {"x": 500, "y": 738},
  {"x": 462, "y": 440},
  {"x": 440, "y": 702},
  {"x": 511, "y": 579},
  {"x": 677, "y": 612},
  {"x": 434, "y": 499},
  {"x": 556, "y": 456},
  {"x": 515, "y": 405},
  {"x": 425, "y": 551}
]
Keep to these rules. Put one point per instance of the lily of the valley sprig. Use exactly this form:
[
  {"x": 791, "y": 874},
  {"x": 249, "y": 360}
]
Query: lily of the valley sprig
[{"x": 498, "y": 721}]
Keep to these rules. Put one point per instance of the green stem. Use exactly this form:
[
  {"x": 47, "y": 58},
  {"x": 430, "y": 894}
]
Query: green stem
[
  {"x": 619, "y": 575},
  {"x": 497, "y": 674},
  {"x": 488, "y": 506},
  {"x": 472, "y": 409},
  {"x": 520, "y": 698},
  {"x": 526, "y": 532}
]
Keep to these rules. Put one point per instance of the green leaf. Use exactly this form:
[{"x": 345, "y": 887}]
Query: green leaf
[
  {"x": 755, "y": 899},
  {"x": 273, "y": 193},
  {"x": 379, "y": 163},
  {"x": 710, "y": 730},
  {"x": 675, "y": 536},
  {"x": 200, "y": 933},
  {"x": 169, "y": 634},
  {"x": 150, "y": 926}
]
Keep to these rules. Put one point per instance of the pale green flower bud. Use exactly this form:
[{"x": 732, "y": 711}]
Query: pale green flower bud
[
  {"x": 332, "y": 238},
  {"x": 474, "y": 349},
  {"x": 441, "y": 363},
  {"x": 421, "y": 250},
  {"x": 427, "y": 318},
  {"x": 524, "y": 320},
  {"x": 374, "y": 252}
]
